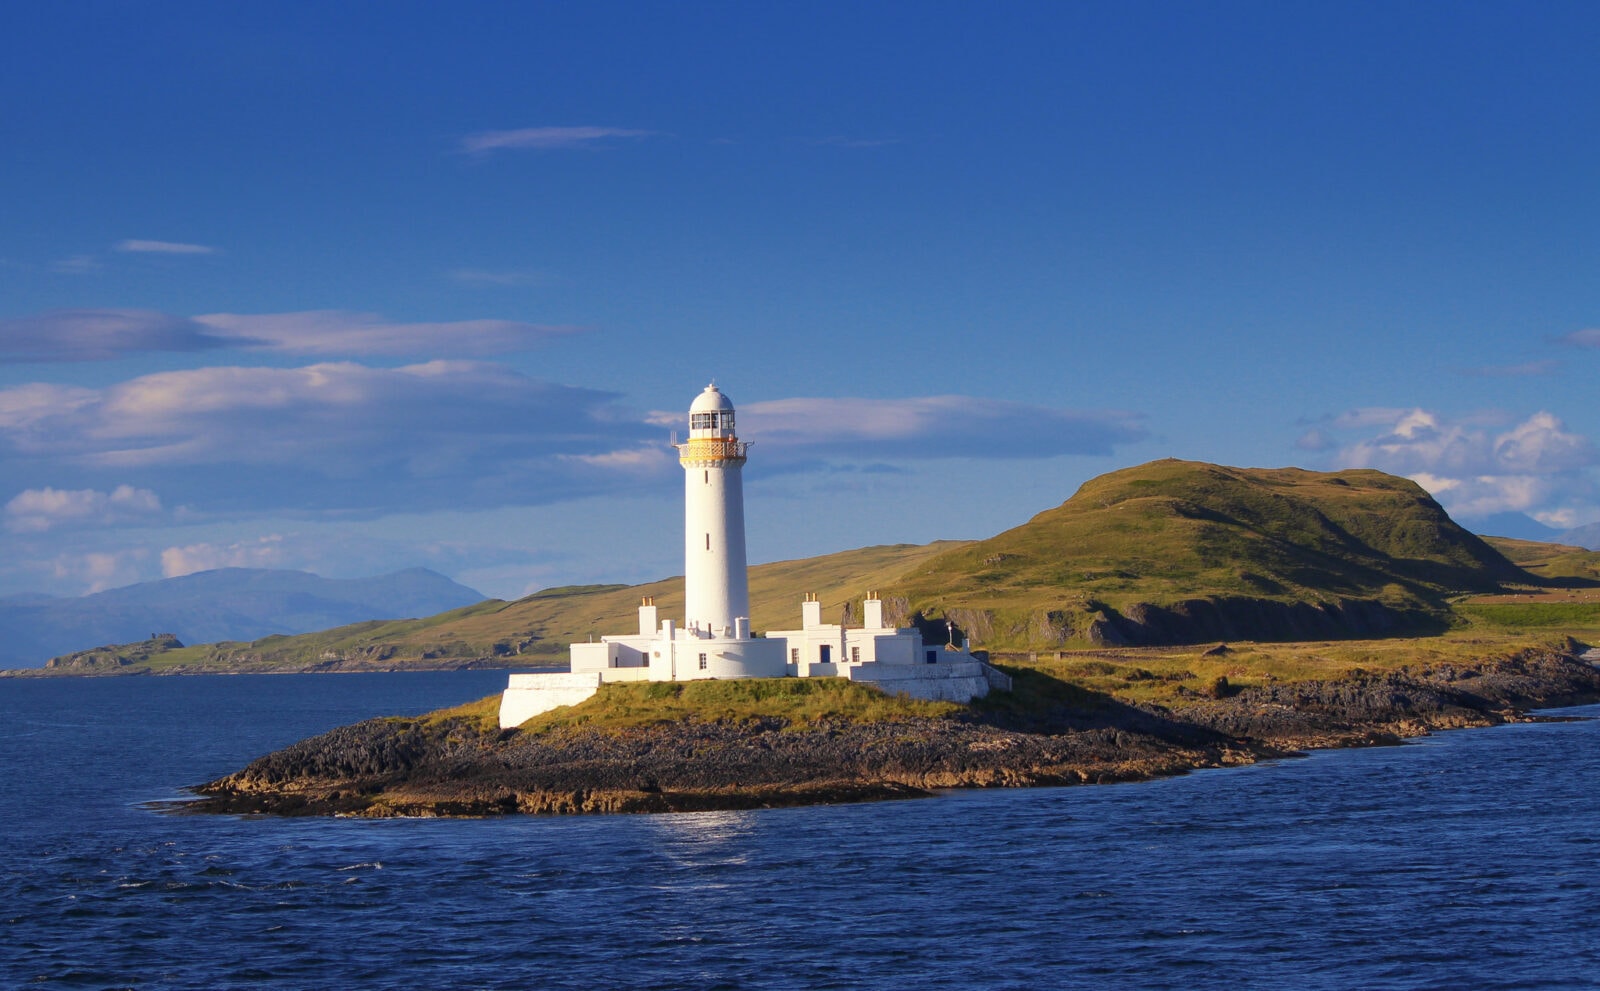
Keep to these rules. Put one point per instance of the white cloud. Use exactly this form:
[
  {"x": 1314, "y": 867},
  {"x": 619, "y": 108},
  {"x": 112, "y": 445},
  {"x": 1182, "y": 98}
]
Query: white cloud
[
  {"x": 262, "y": 552},
  {"x": 336, "y": 332},
  {"x": 106, "y": 334},
  {"x": 1476, "y": 468},
  {"x": 1586, "y": 338},
  {"x": 38, "y": 510},
  {"x": 336, "y": 435},
  {"x": 95, "y": 571},
  {"x": 645, "y": 460},
  {"x": 927, "y": 427},
  {"x": 545, "y": 138},
  {"x": 165, "y": 248}
]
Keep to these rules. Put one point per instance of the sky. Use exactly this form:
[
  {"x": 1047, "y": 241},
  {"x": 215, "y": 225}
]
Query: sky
[{"x": 363, "y": 286}]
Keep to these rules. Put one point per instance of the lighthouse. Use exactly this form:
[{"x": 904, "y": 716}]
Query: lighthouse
[
  {"x": 715, "y": 640},
  {"x": 715, "y": 585}
]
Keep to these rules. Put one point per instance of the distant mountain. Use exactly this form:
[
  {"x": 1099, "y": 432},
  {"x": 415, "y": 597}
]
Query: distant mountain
[
  {"x": 225, "y": 604},
  {"x": 1584, "y": 536},
  {"x": 1517, "y": 526}
]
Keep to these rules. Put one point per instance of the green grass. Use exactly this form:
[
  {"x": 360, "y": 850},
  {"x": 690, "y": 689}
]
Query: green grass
[
  {"x": 1573, "y": 616},
  {"x": 794, "y": 703},
  {"x": 1550, "y": 561}
]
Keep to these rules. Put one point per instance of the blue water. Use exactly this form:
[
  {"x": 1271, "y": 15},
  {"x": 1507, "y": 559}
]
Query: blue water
[{"x": 1465, "y": 860}]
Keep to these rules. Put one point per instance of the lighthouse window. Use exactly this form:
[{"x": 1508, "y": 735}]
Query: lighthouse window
[
  {"x": 702, "y": 662},
  {"x": 708, "y": 541},
  {"x": 708, "y": 476}
]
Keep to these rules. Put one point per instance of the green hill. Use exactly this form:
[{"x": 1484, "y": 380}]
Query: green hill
[{"x": 1184, "y": 552}]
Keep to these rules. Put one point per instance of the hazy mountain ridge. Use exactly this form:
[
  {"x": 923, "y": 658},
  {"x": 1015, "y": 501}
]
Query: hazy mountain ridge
[{"x": 223, "y": 604}]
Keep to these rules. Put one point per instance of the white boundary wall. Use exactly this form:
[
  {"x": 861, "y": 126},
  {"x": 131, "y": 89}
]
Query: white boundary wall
[{"x": 527, "y": 695}]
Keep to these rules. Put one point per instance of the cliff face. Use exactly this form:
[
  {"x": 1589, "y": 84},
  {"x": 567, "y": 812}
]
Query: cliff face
[{"x": 459, "y": 764}]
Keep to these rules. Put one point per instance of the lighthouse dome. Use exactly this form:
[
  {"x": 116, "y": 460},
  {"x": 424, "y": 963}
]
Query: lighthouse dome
[{"x": 711, "y": 401}]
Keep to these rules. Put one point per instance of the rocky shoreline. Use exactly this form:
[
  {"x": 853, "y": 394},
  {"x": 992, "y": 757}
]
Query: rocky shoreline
[{"x": 461, "y": 765}]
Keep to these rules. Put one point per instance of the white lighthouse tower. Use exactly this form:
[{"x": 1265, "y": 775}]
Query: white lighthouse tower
[
  {"x": 715, "y": 586},
  {"x": 715, "y": 640}
]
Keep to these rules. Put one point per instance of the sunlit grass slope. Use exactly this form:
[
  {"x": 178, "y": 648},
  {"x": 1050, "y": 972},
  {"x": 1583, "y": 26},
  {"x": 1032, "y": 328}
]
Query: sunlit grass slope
[
  {"x": 1177, "y": 531},
  {"x": 537, "y": 630}
]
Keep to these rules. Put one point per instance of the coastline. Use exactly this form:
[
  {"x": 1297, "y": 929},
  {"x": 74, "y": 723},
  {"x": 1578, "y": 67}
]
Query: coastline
[{"x": 457, "y": 763}]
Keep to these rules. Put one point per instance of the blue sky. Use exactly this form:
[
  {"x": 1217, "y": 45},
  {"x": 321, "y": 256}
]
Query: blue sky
[{"x": 397, "y": 284}]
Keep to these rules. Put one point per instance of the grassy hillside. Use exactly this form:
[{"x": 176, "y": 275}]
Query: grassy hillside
[
  {"x": 1162, "y": 538},
  {"x": 536, "y": 630},
  {"x": 1551, "y": 562},
  {"x": 1169, "y": 552}
]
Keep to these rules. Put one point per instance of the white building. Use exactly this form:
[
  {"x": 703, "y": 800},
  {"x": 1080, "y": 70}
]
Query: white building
[{"x": 714, "y": 640}]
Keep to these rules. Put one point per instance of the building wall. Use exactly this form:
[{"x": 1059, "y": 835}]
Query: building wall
[
  {"x": 680, "y": 659},
  {"x": 527, "y": 695},
  {"x": 715, "y": 583}
]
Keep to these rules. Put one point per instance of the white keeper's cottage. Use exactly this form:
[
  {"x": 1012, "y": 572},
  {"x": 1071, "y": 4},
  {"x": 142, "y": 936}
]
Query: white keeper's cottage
[{"x": 714, "y": 640}]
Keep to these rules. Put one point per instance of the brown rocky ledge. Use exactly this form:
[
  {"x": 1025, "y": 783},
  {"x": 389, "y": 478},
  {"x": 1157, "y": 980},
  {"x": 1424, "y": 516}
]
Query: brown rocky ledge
[{"x": 458, "y": 764}]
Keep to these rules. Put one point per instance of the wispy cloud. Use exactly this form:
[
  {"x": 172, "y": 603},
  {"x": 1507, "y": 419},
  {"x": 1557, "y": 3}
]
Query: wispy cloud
[
  {"x": 103, "y": 335},
  {"x": 1587, "y": 338},
  {"x": 100, "y": 335},
  {"x": 164, "y": 247},
  {"x": 262, "y": 552},
  {"x": 1528, "y": 369},
  {"x": 76, "y": 265},
  {"x": 39, "y": 510},
  {"x": 509, "y": 277},
  {"x": 336, "y": 436},
  {"x": 336, "y": 332},
  {"x": 928, "y": 427},
  {"x": 546, "y": 138}
]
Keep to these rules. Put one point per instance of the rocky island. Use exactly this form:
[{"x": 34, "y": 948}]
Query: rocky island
[
  {"x": 1167, "y": 617},
  {"x": 763, "y": 743}
]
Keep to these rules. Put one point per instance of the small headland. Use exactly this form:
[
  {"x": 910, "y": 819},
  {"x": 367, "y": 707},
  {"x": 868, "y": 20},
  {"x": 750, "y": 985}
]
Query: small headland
[{"x": 1071, "y": 718}]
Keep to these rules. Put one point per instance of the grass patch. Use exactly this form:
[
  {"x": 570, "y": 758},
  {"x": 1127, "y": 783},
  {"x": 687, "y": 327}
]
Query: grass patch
[
  {"x": 482, "y": 716},
  {"x": 1533, "y": 615},
  {"x": 795, "y": 703}
]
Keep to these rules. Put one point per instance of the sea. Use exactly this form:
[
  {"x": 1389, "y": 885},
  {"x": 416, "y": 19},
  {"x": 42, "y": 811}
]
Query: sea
[{"x": 1468, "y": 859}]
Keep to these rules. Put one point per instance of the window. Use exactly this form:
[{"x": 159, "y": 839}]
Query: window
[
  {"x": 708, "y": 476},
  {"x": 933, "y": 657},
  {"x": 708, "y": 541},
  {"x": 855, "y": 655},
  {"x": 702, "y": 662},
  {"x": 794, "y": 655}
]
